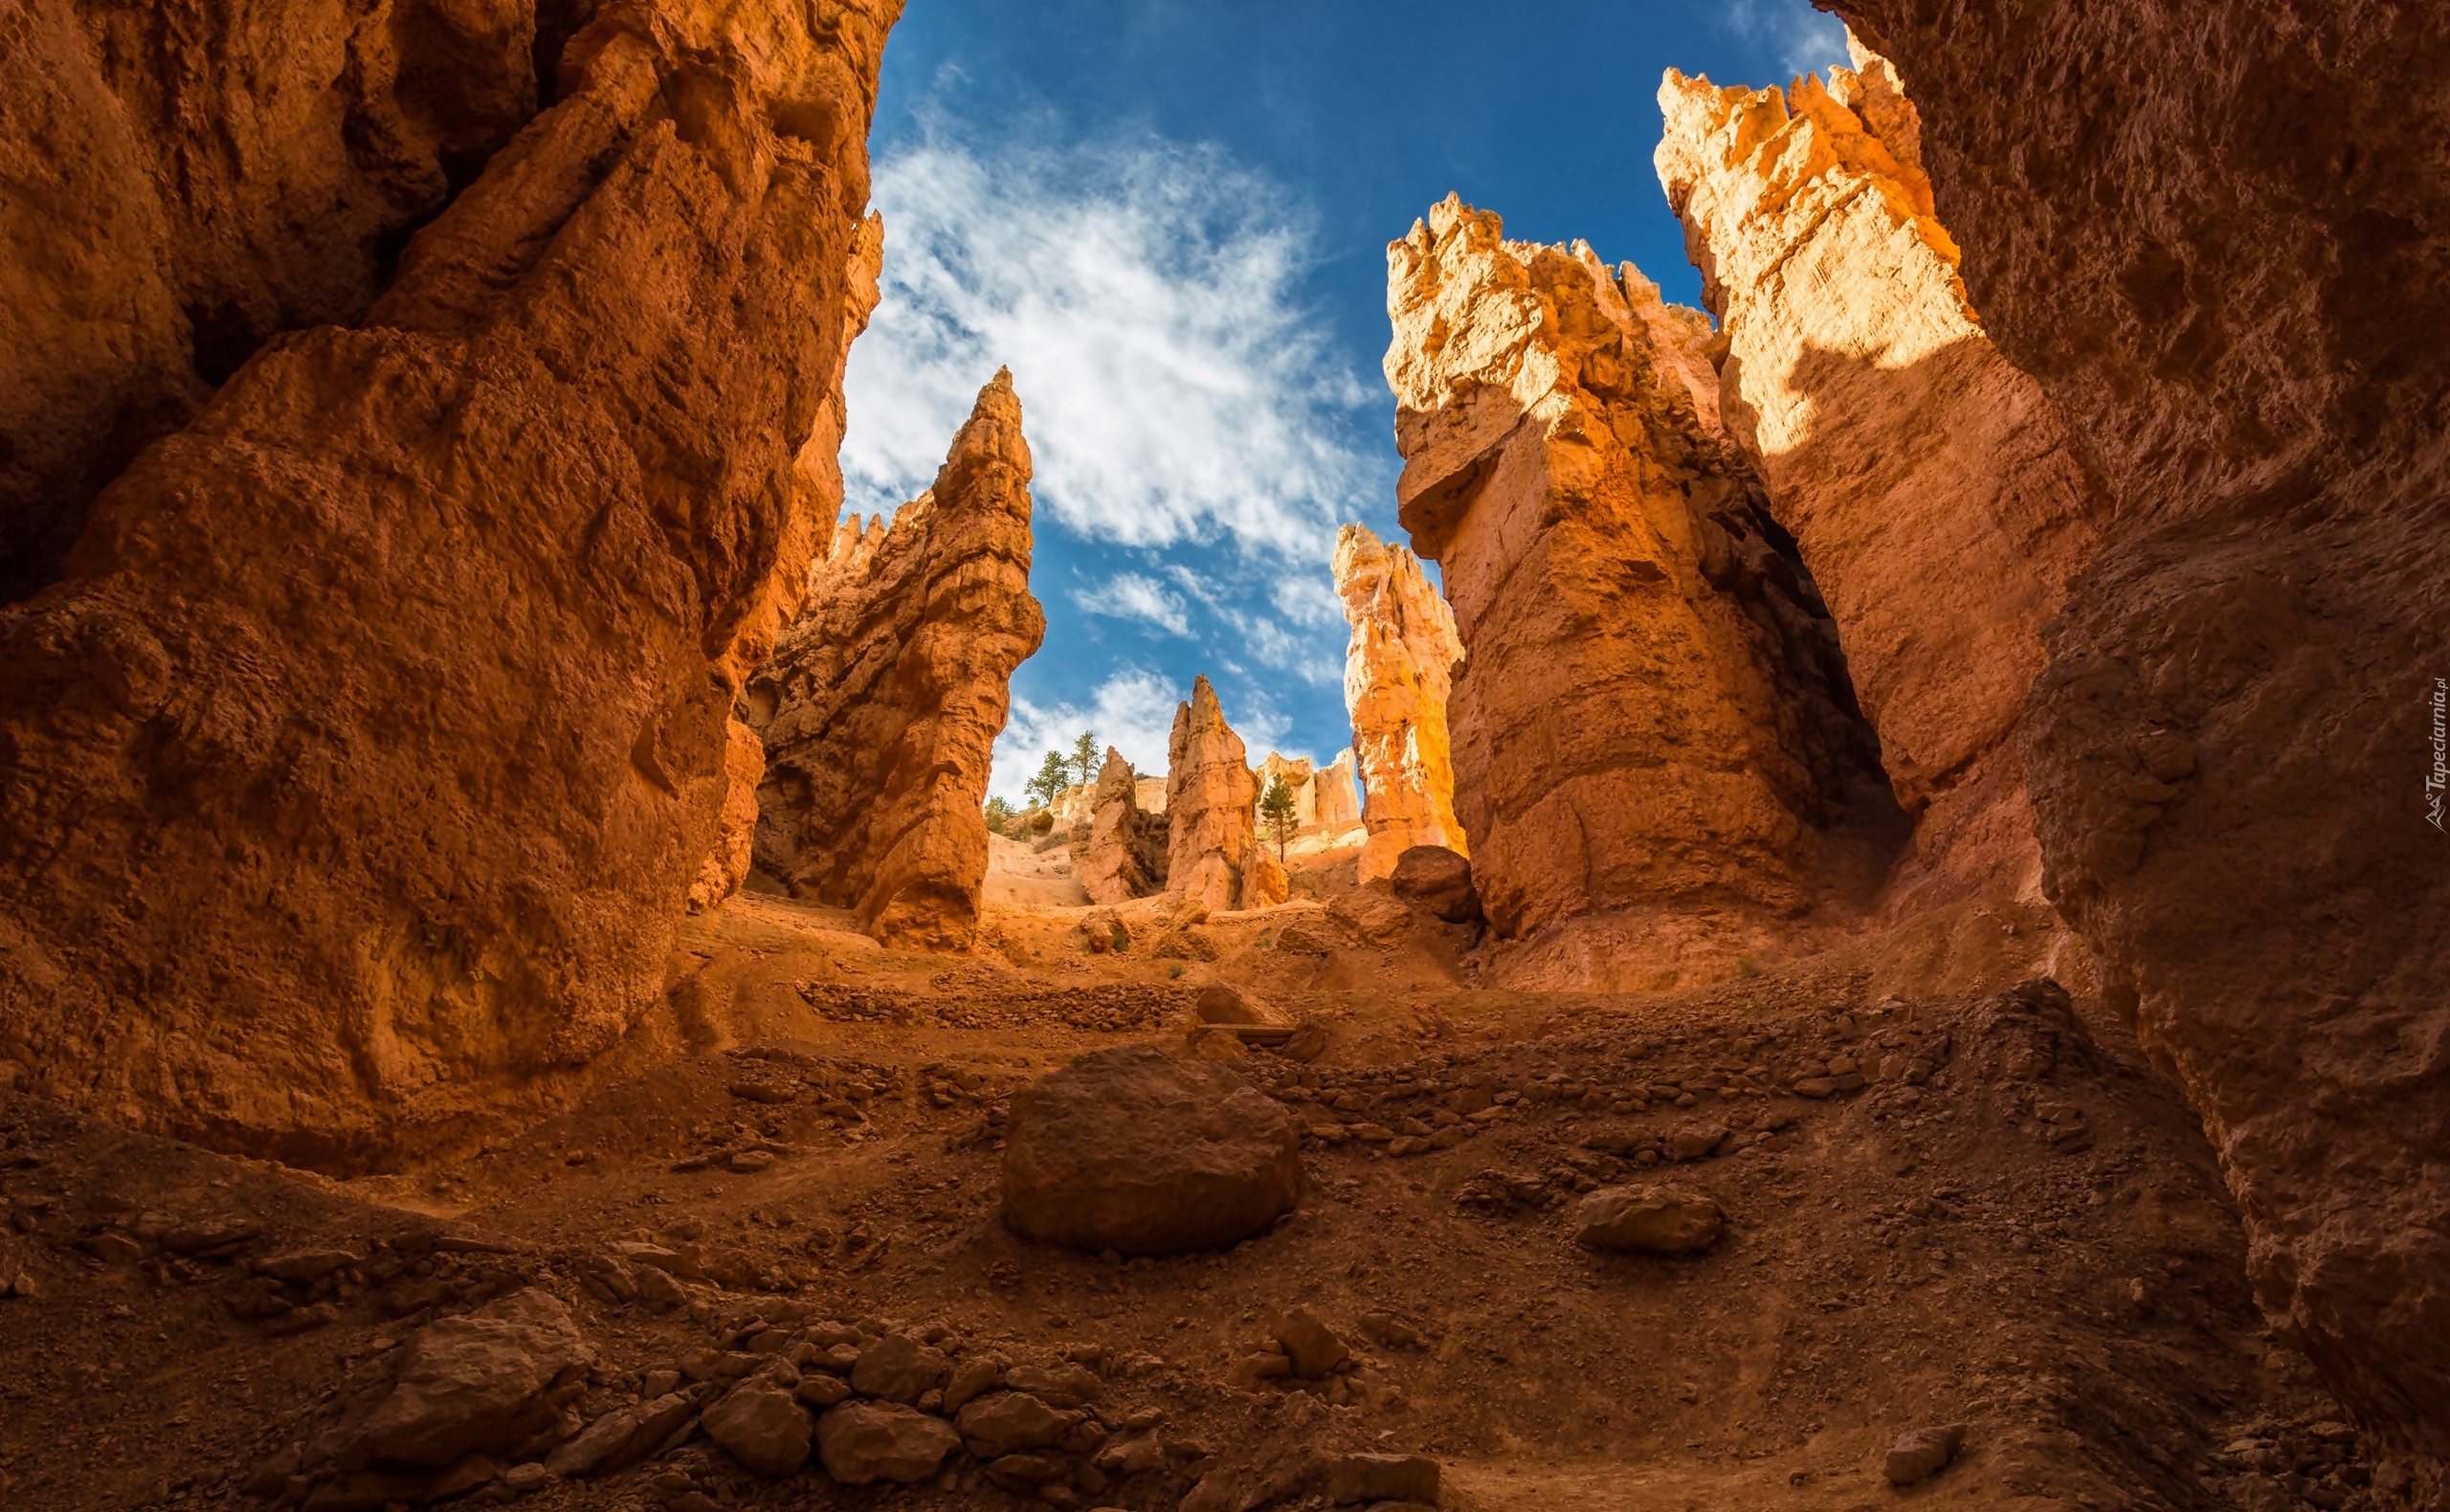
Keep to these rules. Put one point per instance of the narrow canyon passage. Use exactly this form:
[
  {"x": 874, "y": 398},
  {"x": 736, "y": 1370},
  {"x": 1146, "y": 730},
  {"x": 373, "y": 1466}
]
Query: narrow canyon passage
[{"x": 1866, "y": 927}]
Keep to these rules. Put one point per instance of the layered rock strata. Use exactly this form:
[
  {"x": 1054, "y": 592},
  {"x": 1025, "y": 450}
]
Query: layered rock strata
[
  {"x": 1892, "y": 437},
  {"x": 2219, "y": 238},
  {"x": 1336, "y": 793},
  {"x": 1399, "y": 674},
  {"x": 359, "y": 764},
  {"x": 1127, "y": 851},
  {"x": 887, "y": 694},
  {"x": 1653, "y": 705},
  {"x": 1210, "y": 800}
]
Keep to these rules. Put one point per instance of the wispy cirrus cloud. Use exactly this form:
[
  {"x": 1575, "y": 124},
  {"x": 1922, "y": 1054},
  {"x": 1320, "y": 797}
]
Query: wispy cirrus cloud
[
  {"x": 1803, "y": 39},
  {"x": 1128, "y": 596},
  {"x": 1132, "y": 710}
]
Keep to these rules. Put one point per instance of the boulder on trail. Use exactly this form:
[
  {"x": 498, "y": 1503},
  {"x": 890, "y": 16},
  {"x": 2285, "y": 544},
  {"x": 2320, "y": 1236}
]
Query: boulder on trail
[
  {"x": 760, "y": 1425},
  {"x": 1142, "y": 1152},
  {"x": 474, "y": 1385},
  {"x": 1921, "y": 1453},
  {"x": 861, "y": 1442},
  {"x": 1438, "y": 882},
  {"x": 1648, "y": 1220}
]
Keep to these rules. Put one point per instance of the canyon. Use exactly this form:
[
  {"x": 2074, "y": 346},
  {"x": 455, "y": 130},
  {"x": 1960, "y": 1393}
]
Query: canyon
[{"x": 1876, "y": 938}]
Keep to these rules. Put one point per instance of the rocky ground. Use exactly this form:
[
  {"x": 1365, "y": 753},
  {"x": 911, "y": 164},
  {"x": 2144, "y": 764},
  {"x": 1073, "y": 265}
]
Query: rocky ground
[{"x": 773, "y": 1272}]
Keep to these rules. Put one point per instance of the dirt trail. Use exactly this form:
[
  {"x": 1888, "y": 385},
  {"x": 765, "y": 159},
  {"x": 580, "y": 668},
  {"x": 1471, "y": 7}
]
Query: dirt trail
[{"x": 1959, "y": 1205}]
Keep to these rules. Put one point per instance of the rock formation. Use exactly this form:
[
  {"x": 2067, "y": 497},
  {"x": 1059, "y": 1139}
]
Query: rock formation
[
  {"x": 1299, "y": 777},
  {"x": 360, "y": 760},
  {"x": 1210, "y": 798},
  {"x": 2219, "y": 238},
  {"x": 1398, "y": 672},
  {"x": 1336, "y": 793},
  {"x": 1653, "y": 705},
  {"x": 1891, "y": 436},
  {"x": 1127, "y": 851},
  {"x": 882, "y": 702}
]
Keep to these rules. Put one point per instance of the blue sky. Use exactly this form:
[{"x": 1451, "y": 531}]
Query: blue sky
[{"x": 1170, "y": 218}]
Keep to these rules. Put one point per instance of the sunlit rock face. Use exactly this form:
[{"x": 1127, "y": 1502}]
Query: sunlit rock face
[
  {"x": 1125, "y": 853},
  {"x": 1399, "y": 673},
  {"x": 1652, "y": 704},
  {"x": 1928, "y": 482},
  {"x": 2219, "y": 238},
  {"x": 1210, "y": 802},
  {"x": 355, "y": 771},
  {"x": 1337, "y": 793},
  {"x": 881, "y": 704}
]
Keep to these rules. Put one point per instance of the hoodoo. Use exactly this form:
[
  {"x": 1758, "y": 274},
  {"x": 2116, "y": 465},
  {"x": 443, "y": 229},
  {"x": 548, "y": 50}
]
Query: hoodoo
[
  {"x": 1398, "y": 672},
  {"x": 1209, "y": 803},
  {"x": 355, "y": 767},
  {"x": 1124, "y": 857},
  {"x": 1890, "y": 436},
  {"x": 1652, "y": 704},
  {"x": 881, "y": 705}
]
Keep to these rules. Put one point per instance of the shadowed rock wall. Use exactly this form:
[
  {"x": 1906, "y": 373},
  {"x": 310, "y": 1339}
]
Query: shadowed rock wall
[
  {"x": 354, "y": 775},
  {"x": 1399, "y": 674},
  {"x": 882, "y": 702},
  {"x": 2219, "y": 238},
  {"x": 1653, "y": 706}
]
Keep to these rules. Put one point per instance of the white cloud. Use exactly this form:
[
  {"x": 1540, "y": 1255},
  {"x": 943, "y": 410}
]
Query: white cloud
[
  {"x": 1802, "y": 39},
  {"x": 1127, "y": 595},
  {"x": 1173, "y": 387},
  {"x": 1308, "y": 598},
  {"x": 1132, "y": 710}
]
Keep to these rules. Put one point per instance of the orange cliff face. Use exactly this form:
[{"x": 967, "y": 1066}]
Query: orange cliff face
[
  {"x": 359, "y": 764},
  {"x": 2218, "y": 237},
  {"x": 881, "y": 707},
  {"x": 1929, "y": 483},
  {"x": 1652, "y": 706},
  {"x": 1399, "y": 673}
]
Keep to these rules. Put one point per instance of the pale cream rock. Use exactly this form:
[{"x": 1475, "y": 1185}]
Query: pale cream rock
[{"x": 1398, "y": 668}]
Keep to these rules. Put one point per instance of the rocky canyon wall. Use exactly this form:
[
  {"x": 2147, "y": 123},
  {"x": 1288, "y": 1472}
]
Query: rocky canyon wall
[
  {"x": 1399, "y": 674},
  {"x": 356, "y": 770},
  {"x": 2219, "y": 235},
  {"x": 1652, "y": 705},
  {"x": 1928, "y": 482},
  {"x": 1125, "y": 853},
  {"x": 881, "y": 704},
  {"x": 1210, "y": 800}
]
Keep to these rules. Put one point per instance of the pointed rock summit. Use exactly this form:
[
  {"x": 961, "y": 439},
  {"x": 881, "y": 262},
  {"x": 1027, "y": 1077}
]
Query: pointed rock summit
[
  {"x": 884, "y": 700},
  {"x": 1127, "y": 851},
  {"x": 1398, "y": 672},
  {"x": 1652, "y": 706},
  {"x": 1210, "y": 798}
]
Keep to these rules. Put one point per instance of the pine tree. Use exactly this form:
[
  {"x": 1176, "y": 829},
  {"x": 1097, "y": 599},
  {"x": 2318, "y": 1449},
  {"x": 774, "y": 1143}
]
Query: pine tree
[
  {"x": 1281, "y": 811},
  {"x": 1085, "y": 757}
]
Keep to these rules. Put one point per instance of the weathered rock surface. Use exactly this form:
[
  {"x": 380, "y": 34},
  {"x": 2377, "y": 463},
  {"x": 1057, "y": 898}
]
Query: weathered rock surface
[
  {"x": 1127, "y": 851},
  {"x": 1210, "y": 799},
  {"x": 1336, "y": 793},
  {"x": 1438, "y": 880},
  {"x": 1648, "y": 1220},
  {"x": 1890, "y": 434},
  {"x": 1920, "y": 1454},
  {"x": 357, "y": 769},
  {"x": 736, "y": 837},
  {"x": 1142, "y": 1152},
  {"x": 1654, "y": 706},
  {"x": 2230, "y": 749},
  {"x": 762, "y": 1426},
  {"x": 863, "y": 1442},
  {"x": 881, "y": 705},
  {"x": 1265, "y": 883},
  {"x": 1399, "y": 674},
  {"x": 186, "y": 182},
  {"x": 474, "y": 1385}
]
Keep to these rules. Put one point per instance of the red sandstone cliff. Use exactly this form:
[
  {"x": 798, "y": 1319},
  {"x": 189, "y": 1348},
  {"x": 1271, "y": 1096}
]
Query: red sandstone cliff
[
  {"x": 1929, "y": 484},
  {"x": 881, "y": 704},
  {"x": 2219, "y": 235},
  {"x": 353, "y": 774},
  {"x": 1653, "y": 706}
]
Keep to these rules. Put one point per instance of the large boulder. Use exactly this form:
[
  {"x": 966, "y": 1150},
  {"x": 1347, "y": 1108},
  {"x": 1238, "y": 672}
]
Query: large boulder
[
  {"x": 762, "y": 1426},
  {"x": 476, "y": 1384},
  {"x": 1648, "y": 1220},
  {"x": 1142, "y": 1152},
  {"x": 863, "y": 1442},
  {"x": 1438, "y": 881}
]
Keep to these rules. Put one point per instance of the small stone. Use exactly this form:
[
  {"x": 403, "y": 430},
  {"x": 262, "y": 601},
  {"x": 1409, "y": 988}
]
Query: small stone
[
  {"x": 527, "y": 1477},
  {"x": 1310, "y": 1345},
  {"x": 973, "y": 1375},
  {"x": 1648, "y": 1220},
  {"x": 1695, "y": 1140},
  {"x": 1064, "y": 1387},
  {"x": 1220, "y": 1004},
  {"x": 898, "y": 1369},
  {"x": 762, "y": 1426},
  {"x": 1383, "y": 1477},
  {"x": 752, "y": 1090},
  {"x": 1921, "y": 1454},
  {"x": 1010, "y": 1422},
  {"x": 863, "y": 1442},
  {"x": 308, "y": 1265},
  {"x": 112, "y": 1248},
  {"x": 749, "y": 1162}
]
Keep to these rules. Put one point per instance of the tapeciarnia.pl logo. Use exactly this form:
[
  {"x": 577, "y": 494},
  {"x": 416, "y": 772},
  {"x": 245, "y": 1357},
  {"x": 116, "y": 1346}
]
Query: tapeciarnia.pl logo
[{"x": 2439, "y": 777}]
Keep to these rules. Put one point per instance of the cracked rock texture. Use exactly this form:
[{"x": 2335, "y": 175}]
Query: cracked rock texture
[
  {"x": 1126, "y": 854},
  {"x": 1210, "y": 800},
  {"x": 355, "y": 772},
  {"x": 881, "y": 704},
  {"x": 1928, "y": 482},
  {"x": 1399, "y": 673},
  {"x": 2219, "y": 235},
  {"x": 1653, "y": 705}
]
